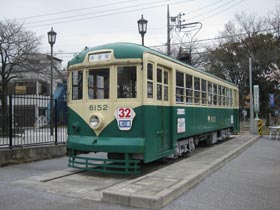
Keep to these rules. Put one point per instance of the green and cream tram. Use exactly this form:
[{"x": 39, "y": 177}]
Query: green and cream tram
[{"x": 136, "y": 104}]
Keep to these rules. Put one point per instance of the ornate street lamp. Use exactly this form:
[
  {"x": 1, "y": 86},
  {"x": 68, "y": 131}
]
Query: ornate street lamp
[
  {"x": 51, "y": 39},
  {"x": 142, "y": 27}
]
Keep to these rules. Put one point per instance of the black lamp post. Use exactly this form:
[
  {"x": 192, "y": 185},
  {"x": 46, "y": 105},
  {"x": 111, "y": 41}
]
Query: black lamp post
[
  {"x": 142, "y": 27},
  {"x": 51, "y": 39}
]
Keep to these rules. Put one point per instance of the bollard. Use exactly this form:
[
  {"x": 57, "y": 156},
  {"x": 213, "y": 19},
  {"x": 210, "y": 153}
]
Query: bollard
[{"x": 260, "y": 130}]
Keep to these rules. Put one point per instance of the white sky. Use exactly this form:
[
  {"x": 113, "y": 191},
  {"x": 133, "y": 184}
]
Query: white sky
[{"x": 107, "y": 21}]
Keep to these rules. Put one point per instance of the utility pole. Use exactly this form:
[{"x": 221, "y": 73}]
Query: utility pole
[
  {"x": 168, "y": 31},
  {"x": 251, "y": 97}
]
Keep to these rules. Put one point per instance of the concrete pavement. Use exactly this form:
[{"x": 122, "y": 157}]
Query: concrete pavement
[{"x": 153, "y": 190}]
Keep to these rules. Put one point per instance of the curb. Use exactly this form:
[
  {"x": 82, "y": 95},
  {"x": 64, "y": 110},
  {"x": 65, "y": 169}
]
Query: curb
[{"x": 30, "y": 154}]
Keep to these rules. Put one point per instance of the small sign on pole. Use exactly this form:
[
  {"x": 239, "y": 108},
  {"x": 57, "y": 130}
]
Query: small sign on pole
[
  {"x": 256, "y": 100},
  {"x": 271, "y": 100}
]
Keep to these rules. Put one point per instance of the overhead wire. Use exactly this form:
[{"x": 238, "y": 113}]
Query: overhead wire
[
  {"x": 212, "y": 4},
  {"x": 144, "y": 8},
  {"x": 104, "y": 15},
  {"x": 208, "y": 5},
  {"x": 96, "y": 12},
  {"x": 75, "y": 10},
  {"x": 227, "y": 8},
  {"x": 218, "y": 7}
]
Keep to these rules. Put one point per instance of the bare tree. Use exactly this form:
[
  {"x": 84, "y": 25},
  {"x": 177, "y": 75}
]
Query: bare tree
[
  {"x": 273, "y": 21},
  {"x": 248, "y": 36},
  {"x": 16, "y": 46}
]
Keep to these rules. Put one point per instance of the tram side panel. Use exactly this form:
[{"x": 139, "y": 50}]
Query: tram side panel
[
  {"x": 236, "y": 121},
  {"x": 195, "y": 121},
  {"x": 157, "y": 124}
]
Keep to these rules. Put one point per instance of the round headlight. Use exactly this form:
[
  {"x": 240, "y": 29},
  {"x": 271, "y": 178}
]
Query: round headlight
[{"x": 95, "y": 121}]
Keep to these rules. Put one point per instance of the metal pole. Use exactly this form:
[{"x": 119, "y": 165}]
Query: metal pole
[
  {"x": 51, "y": 107},
  {"x": 10, "y": 122},
  {"x": 55, "y": 121},
  {"x": 168, "y": 31},
  {"x": 251, "y": 97},
  {"x": 142, "y": 35}
]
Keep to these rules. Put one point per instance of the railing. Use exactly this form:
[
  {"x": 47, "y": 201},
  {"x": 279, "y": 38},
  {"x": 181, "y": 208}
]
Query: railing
[{"x": 25, "y": 120}]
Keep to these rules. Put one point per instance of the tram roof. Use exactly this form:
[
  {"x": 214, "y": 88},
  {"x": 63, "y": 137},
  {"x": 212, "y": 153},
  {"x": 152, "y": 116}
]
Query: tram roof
[
  {"x": 122, "y": 50},
  {"x": 125, "y": 50}
]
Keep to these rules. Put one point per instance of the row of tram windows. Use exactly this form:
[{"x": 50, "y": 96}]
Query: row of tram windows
[
  {"x": 160, "y": 82},
  {"x": 98, "y": 83},
  {"x": 194, "y": 90}
]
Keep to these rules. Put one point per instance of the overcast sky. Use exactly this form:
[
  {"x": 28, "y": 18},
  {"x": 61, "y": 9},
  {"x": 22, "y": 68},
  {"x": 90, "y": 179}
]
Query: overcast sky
[{"x": 94, "y": 22}]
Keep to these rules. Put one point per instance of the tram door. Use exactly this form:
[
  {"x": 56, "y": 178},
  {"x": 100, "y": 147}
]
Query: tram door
[{"x": 163, "y": 100}]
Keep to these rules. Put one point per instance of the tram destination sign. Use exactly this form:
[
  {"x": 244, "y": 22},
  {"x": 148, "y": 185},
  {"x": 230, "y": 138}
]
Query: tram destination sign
[{"x": 104, "y": 56}]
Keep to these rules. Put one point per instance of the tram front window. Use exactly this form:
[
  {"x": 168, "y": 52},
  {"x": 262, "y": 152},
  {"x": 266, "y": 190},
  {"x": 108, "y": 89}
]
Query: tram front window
[
  {"x": 98, "y": 83},
  {"x": 77, "y": 85},
  {"x": 127, "y": 82}
]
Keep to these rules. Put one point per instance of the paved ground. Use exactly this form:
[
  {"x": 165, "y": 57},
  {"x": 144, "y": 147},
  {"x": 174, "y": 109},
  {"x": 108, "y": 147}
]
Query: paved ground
[
  {"x": 158, "y": 188},
  {"x": 250, "y": 181}
]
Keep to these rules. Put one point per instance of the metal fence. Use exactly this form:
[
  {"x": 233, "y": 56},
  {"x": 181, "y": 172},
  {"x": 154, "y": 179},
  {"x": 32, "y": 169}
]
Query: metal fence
[{"x": 25, "y": 120}]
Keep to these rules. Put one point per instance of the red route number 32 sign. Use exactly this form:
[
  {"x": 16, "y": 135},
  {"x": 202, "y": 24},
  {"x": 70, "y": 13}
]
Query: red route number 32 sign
[{"x": 124, "y": 117}]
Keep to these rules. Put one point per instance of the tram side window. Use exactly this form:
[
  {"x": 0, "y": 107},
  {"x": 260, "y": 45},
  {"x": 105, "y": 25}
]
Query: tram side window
[
  {"x": 223, "y": 96},
  {"x": 189, "y": 88},
  {"x": 210, "y": 93},
  {"x": 162, "y": 84},
  {"x": 227, "y": 97},
  {"x": 219, "y": 96},
  {"x": 165, "y": 78},
  {"x": 203, "y": 91},
  {"x": 77, "y": 85},
  {"x": 98, "y": 84},
  {"x": 127, "y": 82},
  {"x": 215, "y": 98},
  {"x": 235, "y": 98},
  {"x": 196, "y": 90},
  {"x": 230, "y": 98},
  {"x": 150, "y": 85},
  {"x": 179, "y": 87},
  {"x": 159, "y": 84}
]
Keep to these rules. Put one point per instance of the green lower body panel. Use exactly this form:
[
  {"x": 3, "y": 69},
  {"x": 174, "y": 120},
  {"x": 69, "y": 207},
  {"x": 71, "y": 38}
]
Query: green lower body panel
[
  {"x": 153, "y": 135},
  {"x": 106, "y": 144},
  {"x": 117, "y": 166}
]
